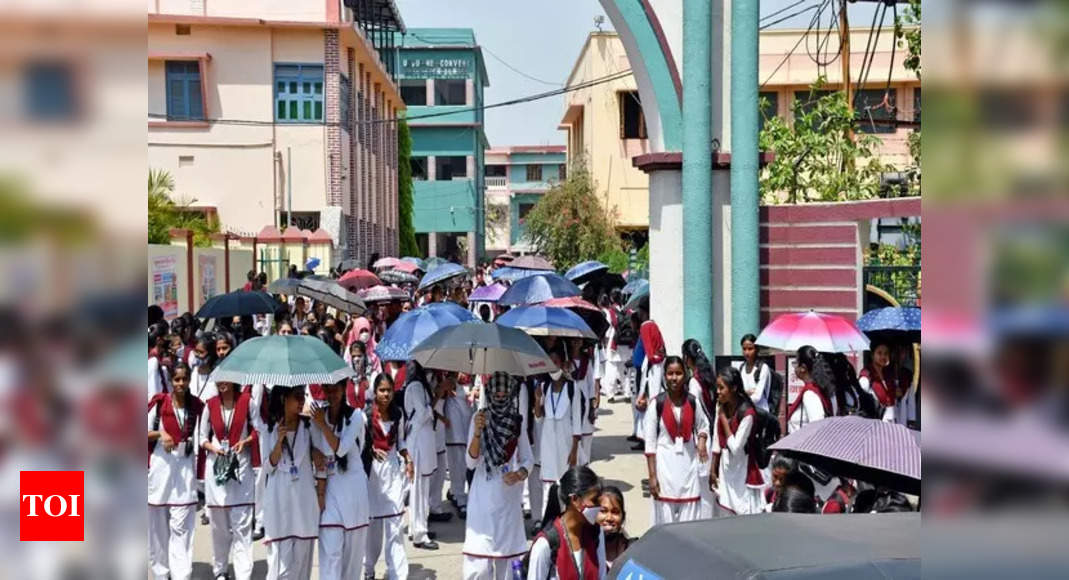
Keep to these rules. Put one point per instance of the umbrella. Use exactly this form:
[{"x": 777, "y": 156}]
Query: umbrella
[
  {"x": 287, "y": 286},
  {"x": 415, "y": 325},
  {"x": 383, "y": 294},
  {"x": 408, "y": 267},
  {"x": 606, "y": 281},
  {"x": 417, "y": 261},
  {"x": 591, "y": 315},
  {"x": 642, "y": 291},
  {"x": 824, "y": 332},
  {"x": 332, "y": 294},
  {"x": 903, "y": 324},
  {"x": 359, "y": 279},
  {"x": 433, "y": 262},
  {"x": 312, "y": 263},
  {"x": 871, "y": 450},
  {"x": 350, "y": 264},
  {"x": 535, "y": 289},
  {"x": 239, "y": 303},
  {"x": 478, "y": 348},
  {"x": 489, "y": 293},
  {"x": 574, "y": 302},
  {"x": 634, "y": 285},
  {"x": 442, "y": 273},
  {"x": 542, "y": 321},
  {"x": 282, "y": 360},
  {"x": 398, "y": 277},
  {"x": 503, "y": 259},
  {"x": 386, "y": 263},
  {"x": 531, "y": 263},
  {"x": 512, "y": 274},
  {"x": 585, "y": 271}
]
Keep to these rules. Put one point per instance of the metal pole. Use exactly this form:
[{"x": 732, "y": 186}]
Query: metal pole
[
  {"x": 289, "y": 187},
  {"x": 697, "y": 173},
  {"x": 745, "y": 265},
  {"x": 844, "y": 58}
]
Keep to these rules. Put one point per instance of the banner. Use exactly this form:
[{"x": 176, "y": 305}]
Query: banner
[
  {"x": 165, "y": 285},
  {"x": 206, "y": 265}
]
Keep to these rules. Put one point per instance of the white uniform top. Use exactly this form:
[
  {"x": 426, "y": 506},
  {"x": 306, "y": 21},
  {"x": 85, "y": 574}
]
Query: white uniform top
[
  {"x": 172, "y": 475},
  {"x": 757, "y": 390},
  {"x": 889, "y": 413},
  {"x": 291, "y": 510},
  {"x": 232, "y": 493},
  {"x": 458, "y": 411},
  {"x": 586, "y": 386},
  {"x": 561, "y": 421},
  {"x": 695, "y": 389},
  {"x": 201, "y": 387},
  {"x": 495, "y": 516},
  {"x": 420, "y": 442},
  {"x": 542, "y": 559},
  {"x": 677, "y": 461},
  {"x": 346, "y": 504},
  {"x": 157, "y": 378},
  {"x": 439, "y": 427},
  {"x": 386, "y": 486},
  {"x": 810, "y": 410},
  {"x": 651, "y": 378},
  {"x": 732, "y": 489}
]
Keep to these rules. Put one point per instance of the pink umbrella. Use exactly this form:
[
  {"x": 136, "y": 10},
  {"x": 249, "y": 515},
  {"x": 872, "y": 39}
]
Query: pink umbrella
[
  {"x": 487, "y": 293},
  {"x": 409, "y": 267},
  {"x": 382, "y": 294},
  {"x": 531, "y": 263},
  {"x": 571, "y": 302},
  {"x": 385, "y": 263},
  {"x": 824, "y": 332},
  {"x": 354, "y": 280}
]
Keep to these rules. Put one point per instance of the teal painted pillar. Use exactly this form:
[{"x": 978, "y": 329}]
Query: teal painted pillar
[
  {"x": 697, "y": 173},
  {"x": 745, "y": 268}
]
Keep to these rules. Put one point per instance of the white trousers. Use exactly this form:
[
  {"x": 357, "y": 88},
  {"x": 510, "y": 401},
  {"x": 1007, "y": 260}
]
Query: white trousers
[
  {"x": 487, "y": 568},
  {"x": 341, "y": 552},
  {"x": 438, "y": 485},
  {"x": 388, "y": 529},
  {"x": 458, "y": 470},
  {"x": 232, "y": 536},
  {"x": 534, "y": 491},
  {"x": 612, "y": 384},
  {"x": 289, "y": 559},
  {"x": 261, "y": 483},
  {"x": 419, "y": 508},
  {"x": 170, "y": 541},
  {"x": 586, "y": 445},
  {"x": 665, "y": 512}
]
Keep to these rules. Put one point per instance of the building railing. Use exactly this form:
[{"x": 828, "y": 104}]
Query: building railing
[
  {"x": 497, "y": 181},
  {"x": 901, "y": 282}
]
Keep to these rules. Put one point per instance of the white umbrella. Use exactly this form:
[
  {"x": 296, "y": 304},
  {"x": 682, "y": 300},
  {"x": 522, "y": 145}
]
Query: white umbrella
[{"x": 479, "y": 348}]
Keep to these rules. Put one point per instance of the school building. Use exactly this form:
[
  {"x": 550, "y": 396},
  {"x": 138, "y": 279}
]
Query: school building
[
  {"x": 442, "y": 77},
  {"x": 516, "y": 178}
]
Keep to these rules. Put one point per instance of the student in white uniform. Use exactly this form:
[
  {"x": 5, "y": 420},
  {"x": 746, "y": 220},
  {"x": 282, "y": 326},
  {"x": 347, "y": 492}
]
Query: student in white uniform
[
  {"x": 172, "y": 491},
  {"x": 813, "y": 402},
  {"x": 390, "y": 468},
  {"x": 500, "y": 454},
  {"x": 572, "y": 544},
  {"x": 756, "y": 376},
  {"x": 420, "y": 442},
  {"x": 291, "y": 510},
  {"x": 458, "y": 414},
  {"x": 702, "y": 387},
  {"x": 881, "y": 380},
  {"x": 338, "y": 433},
  {"x": 440, "y": 510},
  {"x": 158, "y": 379},
  {"x": 200, "y": 383},
  {"x": 739, "y": 480},
  {"x": 676, "y": 437},
  {"x": 583, "y": 376},
  {"x": 559, "y": 413},
  {"x": 233, "y": 451},
  {"x": 651, "y": 369}
]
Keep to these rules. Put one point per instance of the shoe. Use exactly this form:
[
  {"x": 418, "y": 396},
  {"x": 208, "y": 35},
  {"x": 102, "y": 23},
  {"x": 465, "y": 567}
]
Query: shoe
[
  {"x": 442, "y": 517},
  {"x": 463, "y": 512},
  {"x": 638, "y": 446},
  {"x": 526, "y": 514},
  {"x": 204, "y": 518},
  {"x": 432, "y": 536},
  {"x": 258, "y": 535},
  {"x": 633, "y": 439},
  {"x": 428, "y": 545}
]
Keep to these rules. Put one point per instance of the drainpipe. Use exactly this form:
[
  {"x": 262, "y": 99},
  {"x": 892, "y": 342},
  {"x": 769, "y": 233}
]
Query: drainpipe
[
  {"x": 745, "y": 266},
  {"x": 697, "y": 173}
]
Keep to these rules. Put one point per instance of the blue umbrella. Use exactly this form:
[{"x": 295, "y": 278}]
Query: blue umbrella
[
  {"x": 239, "y": 303},
  {"x": 543, "y": 321},
  {"x": 585, "y": 271},
  {"x": 512, "y": 274},
  {"x": 311, "y": 264},
  {"x": 442, "y": 273},
  {"x": 537, "y": 289},
  {"x": 417, "y": 261},
  {"x": 642, "y": 290},
  {"x": 892, "y": 323},
  {"x": 412, "y": 327},
  {"x": 633, "y": 285}
]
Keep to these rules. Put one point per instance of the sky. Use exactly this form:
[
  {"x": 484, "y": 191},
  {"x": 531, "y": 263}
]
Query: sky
[{"x": 542, "y": 39}]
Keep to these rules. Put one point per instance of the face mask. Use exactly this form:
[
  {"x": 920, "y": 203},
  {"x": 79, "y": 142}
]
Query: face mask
[
  {"x": 364, "y": 336},
  {"x": 591, "y": 514},
  {"x": 556, "y": 375}
]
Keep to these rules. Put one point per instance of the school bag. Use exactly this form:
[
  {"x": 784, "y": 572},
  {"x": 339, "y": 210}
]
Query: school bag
[
  {"x": 765, "y": 432},
  {"x": 553, "y": 538},
  {"x": 775, "y": 391},
  {"x": 625, "y": 332}
]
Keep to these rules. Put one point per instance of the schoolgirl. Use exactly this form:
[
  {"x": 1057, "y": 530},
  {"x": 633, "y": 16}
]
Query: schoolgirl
[
  {"x": 582, "y": 374},
  {"x": 813, "y": 402},
  {"x": 458, "y": 415},
  {"x": 756, "y": 376},
  {"x": 880, "y": 379},
  {"x": 572, "y": 545},
  {"x": 739, "y": 481},
  {"x": 558, "y": 411},
  {"x": 612, "y": 518},
  {"x": 205, "y": 361},
  {"x": 702, "y": 387},
  {"x": 421, "y": 444},
  {"x": 390, "y": 467}
]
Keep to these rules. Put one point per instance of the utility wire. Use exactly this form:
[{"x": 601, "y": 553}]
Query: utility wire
[
  {"x": 787, "y": 57},
  {"x": 788, "y": 17},
  {"x": 518, "y": 71},
  {"x": 782, "y": 10},
  {"x": 870, "y": 52}
]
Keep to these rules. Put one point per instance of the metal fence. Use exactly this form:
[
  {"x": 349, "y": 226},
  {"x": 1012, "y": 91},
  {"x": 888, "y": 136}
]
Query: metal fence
[{"x": 901, "y": 282}]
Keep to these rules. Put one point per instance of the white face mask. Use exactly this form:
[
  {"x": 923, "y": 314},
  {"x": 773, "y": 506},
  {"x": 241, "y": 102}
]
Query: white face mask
[
  {"x": 591, "y": 514},
  {"x": 364, "y": 336},
  {"x": 556, "y": 375}
]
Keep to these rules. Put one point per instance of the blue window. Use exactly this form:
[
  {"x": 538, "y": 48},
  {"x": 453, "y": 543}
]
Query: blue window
[
  {"x": 49, "y": 91},
  {"x": 184, "y": 102},
  {"x": 299, "y": 93}
]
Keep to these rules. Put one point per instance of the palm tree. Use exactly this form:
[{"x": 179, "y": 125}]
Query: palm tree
[{"x": 164, "y": 213}]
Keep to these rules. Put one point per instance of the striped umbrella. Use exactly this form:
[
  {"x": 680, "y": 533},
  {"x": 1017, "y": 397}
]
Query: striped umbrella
[
  {"x": 332, "y": 294},
  {"x": 282, "y": 360},
  {"x": 383, "y": 294},
  {"x": 871, "y": 450},
  {"x": 386, "y": 263},
  {"x": 398, "y": 277},
  {"x": 824, "y": 332}
]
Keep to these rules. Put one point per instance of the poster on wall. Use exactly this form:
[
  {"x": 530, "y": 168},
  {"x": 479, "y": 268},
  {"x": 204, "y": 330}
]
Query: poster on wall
[
  {"x": 165, "y": 285},
  {"x": 207, "y": 277}
]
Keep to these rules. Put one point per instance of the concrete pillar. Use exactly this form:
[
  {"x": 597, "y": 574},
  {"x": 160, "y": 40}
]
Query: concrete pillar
[
  {"x": 432, "y": 244},
  {"x": 666, "y": 263},
  {"x": 470, "y": 167},
  {"x": 469, "y": 92},
  {"x": 697, "y": 174},
  {"x": 745, "y": 268},
  {"x": 471, "y": 249},
  {"x": 432, "y": 173},
  {"x": 430, "y": 92}
]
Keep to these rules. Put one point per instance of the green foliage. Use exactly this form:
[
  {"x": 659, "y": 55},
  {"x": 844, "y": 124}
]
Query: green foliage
[
  {"x": 405, "y": 203},
  {"x": 908, "y": 35},
  {"x": 890, "y": 255},
  {"x": 643, "y": 259},
  {"x": 569, "y": 225},
  {"x": 165, "y": 214},
  {"x": 616, "y": 259},
  {"x": 497, "y": 217},
  {"x": 815, "y": 158}
]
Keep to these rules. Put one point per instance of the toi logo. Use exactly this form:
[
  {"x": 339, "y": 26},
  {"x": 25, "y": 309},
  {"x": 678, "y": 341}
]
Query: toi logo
[{"x": 51, "y": 506}]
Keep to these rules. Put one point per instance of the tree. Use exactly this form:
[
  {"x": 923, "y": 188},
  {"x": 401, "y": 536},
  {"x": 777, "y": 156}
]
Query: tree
[
  {"x": 497, "y": 217},
  {"x": 819, "y": 157},
  {"x": 908, "y": 36},
  {"x": 406, "y": 232},
  {"x": 569, "y": 225},
  {"x": 164, "y": 214}
]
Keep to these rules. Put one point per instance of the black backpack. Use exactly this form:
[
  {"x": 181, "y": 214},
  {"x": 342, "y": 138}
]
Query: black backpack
[
  {"x": 551, "y": 536},
  {"x": 765, "y": 432},
  {"x": 660, "y": 408},
  {"x": 775, "y": 391},
  {"x": 625, "y": 332}
]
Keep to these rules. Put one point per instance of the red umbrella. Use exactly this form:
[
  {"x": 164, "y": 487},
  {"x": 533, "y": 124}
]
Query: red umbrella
[
  {"x": 407, "y": 267},
  {"x": 571, "y": 302},
  {"x": 824, "y": 332},
  {"x": 592, "y": 315},
  {"x": 358, "y": 280}
]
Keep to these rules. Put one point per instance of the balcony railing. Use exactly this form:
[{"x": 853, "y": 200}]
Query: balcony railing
[
  {"x": 901, "y": 282},
  {"x": 497, "y": 181}
]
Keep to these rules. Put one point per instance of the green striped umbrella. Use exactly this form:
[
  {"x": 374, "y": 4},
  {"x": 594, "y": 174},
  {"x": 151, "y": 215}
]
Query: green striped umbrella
[{"x": 282, "y": 360}]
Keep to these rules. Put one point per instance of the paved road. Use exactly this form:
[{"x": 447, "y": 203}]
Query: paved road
[{"x": 613, "y": 460}]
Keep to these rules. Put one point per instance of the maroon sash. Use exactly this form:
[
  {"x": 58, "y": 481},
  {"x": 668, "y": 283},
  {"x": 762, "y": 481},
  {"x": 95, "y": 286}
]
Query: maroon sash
[
  {"x": 239, "y": 423},
  {"x": 798, "y": 400},
  {"x": 169, "y": 420},
  {"x": 753, "y": 472},
  {"x": 357, "y": 397},
  {"x": 379, "y": 438},
  {"x": 884, "y": 395},
  {"x": 686, "y": 430},
  {"x": 565, "y": 562}
]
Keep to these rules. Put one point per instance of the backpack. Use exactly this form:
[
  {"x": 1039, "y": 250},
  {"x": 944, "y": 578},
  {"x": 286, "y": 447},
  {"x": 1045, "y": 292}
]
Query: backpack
[
  {"x": 625, "y": 332},
  {"x": 553, "y": 538},
  {"x": 765, "y": 432},
  {"x": 775, "y": 391},
  {"x": 660, "y": 409}
]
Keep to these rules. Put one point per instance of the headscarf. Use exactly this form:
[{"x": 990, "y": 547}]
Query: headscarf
[
  {"x": 362, "y": 324},
  {"x": 503, "y": 424},
  {"x": 652, "y": 341}
]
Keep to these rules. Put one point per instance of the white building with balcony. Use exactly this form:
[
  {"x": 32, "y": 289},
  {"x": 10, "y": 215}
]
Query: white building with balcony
[{"x": 516, "y": 178}]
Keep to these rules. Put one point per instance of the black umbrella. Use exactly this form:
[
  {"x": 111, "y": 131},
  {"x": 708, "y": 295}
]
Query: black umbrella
[
  {"x": 240, "y": 303},
  {"x": 350, "y": 264},
  {"x": 287, "y": 286}
]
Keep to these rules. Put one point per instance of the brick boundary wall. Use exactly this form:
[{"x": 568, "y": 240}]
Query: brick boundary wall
[{"x": 332, "y": 105}]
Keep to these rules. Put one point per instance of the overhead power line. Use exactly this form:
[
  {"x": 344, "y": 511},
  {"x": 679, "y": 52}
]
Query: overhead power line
[{"x": 518, "y": 71}]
